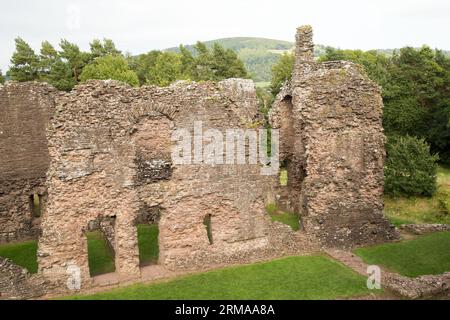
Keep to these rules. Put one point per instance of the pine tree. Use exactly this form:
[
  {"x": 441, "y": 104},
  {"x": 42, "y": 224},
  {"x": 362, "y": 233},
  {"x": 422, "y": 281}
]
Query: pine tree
[
  {"x": 187, "y": 62},
  {"x": 76, "y": 59},
  {"x": 99, "y": 49},
  {"x": 2, "y": 78},
  {"x": 25, "y": 62},
  {"x": 47, "y": 59}
]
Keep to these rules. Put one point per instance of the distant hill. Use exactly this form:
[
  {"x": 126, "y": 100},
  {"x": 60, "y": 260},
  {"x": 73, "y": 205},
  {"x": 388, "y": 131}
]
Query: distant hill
[{"x": 258, "y": 54}]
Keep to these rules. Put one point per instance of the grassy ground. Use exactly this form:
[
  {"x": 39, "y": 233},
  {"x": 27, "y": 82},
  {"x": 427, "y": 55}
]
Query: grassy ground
[
  {"x": 421, "y": 209},
  {"x": 101, "y": 259},
  {"x": 288, "y": 218},
  {"x": 23, "y": 254},
  {"x": 148, "y": 243},
  {"x": 429, "y": 254},
  {"x": 311, "y": 277}
]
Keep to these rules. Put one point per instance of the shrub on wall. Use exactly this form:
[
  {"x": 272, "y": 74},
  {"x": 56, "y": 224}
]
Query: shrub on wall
[{"x": 410, "y": 167}]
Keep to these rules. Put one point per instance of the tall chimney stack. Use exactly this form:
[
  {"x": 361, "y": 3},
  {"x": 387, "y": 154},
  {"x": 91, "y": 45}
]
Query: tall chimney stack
[{"x": 304, "y": 51}]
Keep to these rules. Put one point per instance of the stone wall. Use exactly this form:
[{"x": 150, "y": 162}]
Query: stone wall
[
  {"x": 25, "y": 110},
  {"x": 17, "y": 283},
  {"x": 104, "y": 160},
  {"x": 334, "y": 147},
  {"x": 110, "y": 147}
]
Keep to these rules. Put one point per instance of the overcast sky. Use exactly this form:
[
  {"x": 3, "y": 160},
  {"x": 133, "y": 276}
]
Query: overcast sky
[{"x": 138, "y": 26}]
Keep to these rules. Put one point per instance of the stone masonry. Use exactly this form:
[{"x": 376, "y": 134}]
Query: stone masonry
[
  {"x": 333, "y": 146},
  {"x": 25, "y": 110},
  {"x": 100, "y": 157},
  {"x": 110, "y": 149}
]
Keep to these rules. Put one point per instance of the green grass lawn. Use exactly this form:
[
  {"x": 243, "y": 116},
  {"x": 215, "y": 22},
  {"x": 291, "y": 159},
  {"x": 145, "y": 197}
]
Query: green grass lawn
[
  {"x": 100, "y": 257},
  {"x": 428, "y": 254},
  {"x": 309, "y": 277},
  {"x": 23, "y": 254},
  {"x": 288, "y": 218},
  {"x": 148, "y": 243},
  {"x": 404, "y": 210}
]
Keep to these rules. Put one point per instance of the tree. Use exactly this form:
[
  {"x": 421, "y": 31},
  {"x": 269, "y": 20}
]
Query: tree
[
  {"x": 187, "y": 62},
  {"x": 144, "y": 64},
  {"x": 25, "y": 62},
  {"x": 99, "y": 49},
  {"x": 61, "y": 76},
  {"x": 76, "y": 59},
  {"x": 167, "y": 69},
  {"x": 53, "y": 70},
  {"x": 410, "y": 167},
  {"x": 2, "y": 78},
  {"x": 415, "y": 91},
  {"x": 202, "y": 69},
  {"x": 417, "y": 99},
  {"x": 281, "y": 72},
  {"x": 374, "y": 63},
  {"x": 226, "y": 64},
  {"x": 215, "y": 65},
  {"x": 110, "y": 67},
  {"x": 47, "y": 59}
]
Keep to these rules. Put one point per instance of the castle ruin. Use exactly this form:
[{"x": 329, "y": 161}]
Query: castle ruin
[{"x": 101, "y": 155}]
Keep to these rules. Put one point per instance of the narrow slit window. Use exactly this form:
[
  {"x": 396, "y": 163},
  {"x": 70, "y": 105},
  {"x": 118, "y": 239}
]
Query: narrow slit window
[
  {"x": 36, "y": 205},
  {"x": 283, "y": 175},
  {"x": 207, "y": 223}
]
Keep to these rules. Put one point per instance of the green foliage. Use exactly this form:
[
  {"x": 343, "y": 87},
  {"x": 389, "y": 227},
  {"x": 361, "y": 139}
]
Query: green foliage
[
  {"x": 281, "y": 72},
  {"x": 374, "y": 63},
  {"x": 76, "y": 59},
  {"x": 158, "y": 68},
  {"x": 226, "y": 64},
  {"x": 110, "y": 67},
  {"x": 143, "y": 65},
  {"x": 166, "y": 70},
  {"x": 417, "y": 209},
  {"x": 100, "y": 256},
  {"x": 427, "y": 254},
  {"x": 23, "y": 254},
  {"x": 258, "y": 54},
  {"x": 105, "y": 48},
  {"x": 288, "y": 218},
  {"x": 265, "y": 100},
  {"x": 53, "y": 69},
  {"x": 2, "y": 78},
  {"x": 216, "y": 64},
  {"x": 288, "y": 278},
  {"x": 444, "y": 201},
  {"x": 410, "y": 168},
  {"x": 25, "y": 62},
  {"x": 415, "y": 86},
  {"x": 148, "y": 243},
  {"x": 163, "y": 68}
]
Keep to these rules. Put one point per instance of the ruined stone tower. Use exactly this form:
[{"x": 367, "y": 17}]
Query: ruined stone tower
[{"x": 332, "y": 144}]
